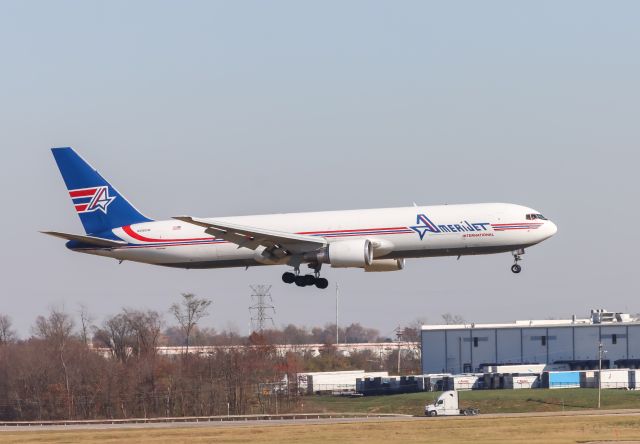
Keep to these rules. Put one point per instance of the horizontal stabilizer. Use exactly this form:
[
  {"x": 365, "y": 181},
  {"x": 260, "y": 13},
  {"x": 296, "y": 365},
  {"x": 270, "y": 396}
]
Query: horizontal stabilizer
[{"x": 90, "y": 240}]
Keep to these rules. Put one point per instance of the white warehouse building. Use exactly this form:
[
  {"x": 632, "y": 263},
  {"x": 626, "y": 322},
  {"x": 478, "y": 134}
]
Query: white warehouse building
[{"x": 465, "y": 348}]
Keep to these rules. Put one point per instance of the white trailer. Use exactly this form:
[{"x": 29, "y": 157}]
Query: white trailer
[
  {"x": 514, "y": 368},
  {"x": 447, "y": 405},
  {"x": 634, "y": 379},
  {"x": 521, "y": 381},
  {"x": 470, "y": 381},
  {"x": 614, "y": 378},
  {"x": 340, "y": 381}
]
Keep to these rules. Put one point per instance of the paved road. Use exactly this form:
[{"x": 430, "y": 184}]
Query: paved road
[{"x": 320, "y": 421}]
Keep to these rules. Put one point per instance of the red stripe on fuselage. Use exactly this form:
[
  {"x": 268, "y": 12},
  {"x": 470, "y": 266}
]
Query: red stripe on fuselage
[
  {"x": 186, "y": 242},
  {"x": 332, "y": 233},
  {"x": 514, "y": 228},
  {"x": 80, "y": 208},
  {"x": 127, "y": 229},
  {"x": 350, "y": 231},
  {"x": 517, "y": 223}
]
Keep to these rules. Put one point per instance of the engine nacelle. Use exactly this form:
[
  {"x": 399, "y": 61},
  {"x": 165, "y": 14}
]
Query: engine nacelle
[
  {"x": 385, "y": 265},
  {"x": 350, "y": 253}
]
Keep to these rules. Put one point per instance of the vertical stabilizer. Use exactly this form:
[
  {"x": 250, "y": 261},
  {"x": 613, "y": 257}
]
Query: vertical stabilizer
[{"x": 100, "y": 206}]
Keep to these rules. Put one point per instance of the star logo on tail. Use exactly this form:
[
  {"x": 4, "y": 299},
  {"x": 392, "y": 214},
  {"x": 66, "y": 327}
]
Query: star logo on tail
[
  {"x": 87, "y": 200},
  {"x": 101, "y": 200}
]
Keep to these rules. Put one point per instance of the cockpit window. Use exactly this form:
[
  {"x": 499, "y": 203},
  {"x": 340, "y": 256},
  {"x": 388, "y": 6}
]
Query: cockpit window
[{"x": 534, "y": 216}]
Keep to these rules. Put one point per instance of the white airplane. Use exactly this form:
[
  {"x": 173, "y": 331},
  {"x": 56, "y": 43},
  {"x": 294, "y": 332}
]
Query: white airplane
[{"x": 372, "y": 240}]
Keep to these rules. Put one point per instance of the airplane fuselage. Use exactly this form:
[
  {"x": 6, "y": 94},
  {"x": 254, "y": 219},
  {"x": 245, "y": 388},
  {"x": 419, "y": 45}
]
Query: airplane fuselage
[{"x": 396, "y": 233}]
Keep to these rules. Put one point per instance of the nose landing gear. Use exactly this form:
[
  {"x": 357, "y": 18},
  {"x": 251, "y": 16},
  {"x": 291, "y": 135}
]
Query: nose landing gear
[
  {"x": 306, "y": 280},
  {"x": 515, "y": 268}
]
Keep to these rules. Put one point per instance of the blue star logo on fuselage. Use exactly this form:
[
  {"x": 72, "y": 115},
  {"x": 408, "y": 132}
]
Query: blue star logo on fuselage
[{"x": 424, "y": 226}]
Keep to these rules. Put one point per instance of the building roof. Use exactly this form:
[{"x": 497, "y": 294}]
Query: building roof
[{"x": 598, "y": 317}]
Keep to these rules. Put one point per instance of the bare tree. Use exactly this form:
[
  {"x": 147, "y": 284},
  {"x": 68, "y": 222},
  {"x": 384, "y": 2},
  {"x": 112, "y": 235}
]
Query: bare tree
[
  {"x": 7, "y": 334},
  {"x": 189, "y": 312},
  {"x": 86, "y": 321},
  {"x": 116, "y": 334},
  {"x": 412, "y": 334},
  {"x": 145, "y": 328},
  {"x": 57, "y": 329},
  {"x": 450, "y": 319},
  {"x": 357, "y": 333}
]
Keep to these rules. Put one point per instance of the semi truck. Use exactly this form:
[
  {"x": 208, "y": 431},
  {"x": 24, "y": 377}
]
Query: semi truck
[{"x": 447, "y": 405}]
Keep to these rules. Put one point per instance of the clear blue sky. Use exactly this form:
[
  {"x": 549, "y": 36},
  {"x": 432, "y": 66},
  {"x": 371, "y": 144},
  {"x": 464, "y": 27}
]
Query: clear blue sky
[{"x": 230, "y": 108}]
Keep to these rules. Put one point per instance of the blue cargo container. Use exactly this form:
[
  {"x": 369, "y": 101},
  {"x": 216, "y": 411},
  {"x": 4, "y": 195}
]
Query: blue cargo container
[{"x": 555, "y": 380}]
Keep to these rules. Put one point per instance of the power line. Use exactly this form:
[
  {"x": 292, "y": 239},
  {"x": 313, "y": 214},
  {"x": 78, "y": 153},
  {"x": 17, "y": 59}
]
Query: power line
[{"x": 261, "y": 309}]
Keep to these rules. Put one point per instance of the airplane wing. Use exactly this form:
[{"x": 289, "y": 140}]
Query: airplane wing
[
  {"x": 90, "y": 240},
  {"x": 278, "y": 242}
]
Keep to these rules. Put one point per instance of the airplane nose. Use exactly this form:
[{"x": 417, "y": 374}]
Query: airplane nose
[{"x": 552, "y": 228}]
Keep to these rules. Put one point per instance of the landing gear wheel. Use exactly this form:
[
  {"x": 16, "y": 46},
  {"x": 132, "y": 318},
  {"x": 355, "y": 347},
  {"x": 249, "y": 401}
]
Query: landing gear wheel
[
  {"x": 517, "y": 257},
  {"x": 300, "y": 281},
  {"x": 288, "y": 277},
  {"x": 309, "y": 279},
  {"x": 322, "y": 283}
]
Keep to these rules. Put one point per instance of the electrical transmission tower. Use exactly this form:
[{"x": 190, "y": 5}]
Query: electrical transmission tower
[{"x": 261, "y": 309}]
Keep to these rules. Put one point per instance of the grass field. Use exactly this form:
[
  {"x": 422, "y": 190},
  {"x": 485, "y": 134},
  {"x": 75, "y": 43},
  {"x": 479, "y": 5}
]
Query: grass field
[
  {"x": 488, "y": 401},
  {"x": 557, "y": 430},
  {"x": 479, "y": 430}
]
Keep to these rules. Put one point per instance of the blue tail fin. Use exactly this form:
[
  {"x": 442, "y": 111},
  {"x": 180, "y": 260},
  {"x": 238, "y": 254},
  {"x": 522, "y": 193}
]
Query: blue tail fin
[{"x": 97, "y": 202}]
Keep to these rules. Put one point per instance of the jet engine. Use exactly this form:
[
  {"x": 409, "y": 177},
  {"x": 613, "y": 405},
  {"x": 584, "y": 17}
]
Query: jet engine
[
  {"x": 349, "y": 253},
  {"x": 385, "y": 265}
]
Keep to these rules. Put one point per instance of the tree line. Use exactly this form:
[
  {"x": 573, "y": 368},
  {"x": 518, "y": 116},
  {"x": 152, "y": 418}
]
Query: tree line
[{"x": 56, "y": 373}]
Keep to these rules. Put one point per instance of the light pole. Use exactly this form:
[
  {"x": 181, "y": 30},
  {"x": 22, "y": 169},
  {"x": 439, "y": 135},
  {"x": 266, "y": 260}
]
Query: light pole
[
  {"x": 337, "y": 296},
  {"x": 600, "y": 352},
  {"x": 399, "y": 333}
]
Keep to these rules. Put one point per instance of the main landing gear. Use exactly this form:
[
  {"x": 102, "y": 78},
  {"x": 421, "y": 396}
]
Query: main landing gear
[
  {"x": 305, "y": 280},
  {"x": 515, "y": 268}
]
